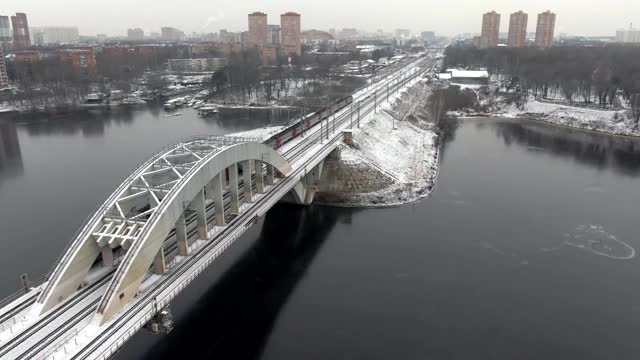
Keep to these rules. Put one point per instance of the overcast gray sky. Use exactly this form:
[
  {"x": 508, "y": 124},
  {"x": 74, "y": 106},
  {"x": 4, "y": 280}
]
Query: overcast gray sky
[{"x": 113, "y": 17}]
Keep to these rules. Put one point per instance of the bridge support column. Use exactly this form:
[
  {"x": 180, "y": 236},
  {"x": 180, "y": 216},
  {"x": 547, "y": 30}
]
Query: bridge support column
[
  {"x": 246, "y": 181},
  {"x": 218, "y": 199},
  {"x": 201, "y": 214},
  {"x": 305, "y": 190},
  {"x": 269, "y": 178},
  {"x": 107, "y": 256},
  {"x": 159, "y": 266},
  {"x": 233, "y": 189},
  {"x": 259, "y": 178},
  {"x": 181, "y": 236}
]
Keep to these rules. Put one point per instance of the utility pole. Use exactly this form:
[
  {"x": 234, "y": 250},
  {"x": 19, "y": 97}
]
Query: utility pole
[
  {"x": 351, "y": 117},
  {"x": 304, "y": 115},
  {"x": 321, "y": 133},
  {"x": 359, "y": 103},
  {"x": 375, "y": 102}
]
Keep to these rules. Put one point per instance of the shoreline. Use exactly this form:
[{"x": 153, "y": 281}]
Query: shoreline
[
  {"x": 618, "y": 122},
  {"x": 541, "y": 120}
]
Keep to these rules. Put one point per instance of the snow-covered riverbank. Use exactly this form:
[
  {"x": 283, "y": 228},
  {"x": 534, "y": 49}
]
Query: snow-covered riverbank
[
  {"x": 388, "y": 166},
  {"x": 385, "y": 166},
  {"x": 618, "y": 122}
]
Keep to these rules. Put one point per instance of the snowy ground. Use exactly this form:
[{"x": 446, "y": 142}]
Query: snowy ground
[
  {"x": 261, "y": 133},
  {"x": 404, "y": 159},
  {"x": 618, "y": 122},
  {"x": 406, "y": 156},
  {"x": 609, "y": 121}
]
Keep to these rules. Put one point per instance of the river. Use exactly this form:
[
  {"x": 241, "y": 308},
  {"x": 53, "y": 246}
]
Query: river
[{"x": 526, "y": 250}]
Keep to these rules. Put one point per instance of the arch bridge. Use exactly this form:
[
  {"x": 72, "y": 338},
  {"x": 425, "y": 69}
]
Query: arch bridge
[{"x": 166, "y": 223}]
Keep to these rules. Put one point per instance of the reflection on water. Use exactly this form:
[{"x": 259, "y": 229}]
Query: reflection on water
[
  {"x": 621, "y": 154},
  {"x": 235, "y": 316},
  {"x": 10, "y": 155}
]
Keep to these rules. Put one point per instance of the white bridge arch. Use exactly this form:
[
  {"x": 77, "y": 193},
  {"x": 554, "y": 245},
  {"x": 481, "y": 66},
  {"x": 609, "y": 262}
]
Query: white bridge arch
[{"x": 136, "y": 219}]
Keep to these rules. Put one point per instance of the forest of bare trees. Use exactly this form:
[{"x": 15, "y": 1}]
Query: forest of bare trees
[
  {"x": 245, "y": 78},
  {"x": 575, "y": 73}
]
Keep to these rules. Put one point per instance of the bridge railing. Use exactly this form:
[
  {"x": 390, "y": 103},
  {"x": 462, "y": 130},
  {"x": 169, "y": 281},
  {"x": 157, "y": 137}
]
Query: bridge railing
[{"x": 84, "y": 227}]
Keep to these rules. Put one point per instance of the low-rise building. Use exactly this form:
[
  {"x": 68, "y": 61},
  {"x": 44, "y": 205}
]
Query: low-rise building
[
  {"x": 197, "y": 66},
  {"x": 466, "y": 77},
  {"x": 82, "y": 60},
  {"x": 26, "y": 56}
]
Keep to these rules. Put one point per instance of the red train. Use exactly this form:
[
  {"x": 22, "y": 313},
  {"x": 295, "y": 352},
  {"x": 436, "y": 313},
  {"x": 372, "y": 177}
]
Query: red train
[{"x": 291, "y": 132}]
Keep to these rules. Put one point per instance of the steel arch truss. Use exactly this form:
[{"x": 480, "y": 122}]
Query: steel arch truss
[{"x": 155, "y": 199}]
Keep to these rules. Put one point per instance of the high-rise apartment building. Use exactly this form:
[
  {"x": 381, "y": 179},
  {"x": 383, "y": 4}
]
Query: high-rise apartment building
[
  {"x": 630, "y": 35},
  {"x": 518, "y": 29},
  {"x": 5, "y": 30},
  {"x": 490, "y": 30},
  {"x": 4, "y": 78},
  {"x": 135, "y": 34},
  {"x": 21, "y": 35},
  {"x": 545, "y": 28},
  {"x": 274, "y": 34},
  {"x": 258, "y": 29},
  {"x": 171, "y": 34},
  {"x": 290, "y": 34}
]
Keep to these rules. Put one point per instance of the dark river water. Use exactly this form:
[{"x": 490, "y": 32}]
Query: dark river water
[{"x": 526, "y": 250}]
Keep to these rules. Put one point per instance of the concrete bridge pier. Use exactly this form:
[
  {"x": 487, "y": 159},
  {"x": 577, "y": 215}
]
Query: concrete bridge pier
[
  {"x": 233, "y": 189},
  {"x": 181, "y": 236},
  {"x": 305, "y": 191}
]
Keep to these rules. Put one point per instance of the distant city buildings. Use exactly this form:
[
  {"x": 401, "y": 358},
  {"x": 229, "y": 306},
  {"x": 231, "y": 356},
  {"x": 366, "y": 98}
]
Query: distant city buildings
[
  {"x": 48, "y": 35},
  {"x": 402, "y": 33},
  {"x": 197, "y": 66},
  {"x": 290, "y": 34},
  {"x": 630, "y": 35},
  {"x": 545, "y": 29},
  {"x": 428, "y": 36},
  {"x": 171, "y": 34},
  {"x": 517, "y": 36},
  {"x": 490, "y": 30},
  {"x": 258, "y": 29},
  {"x": 4, "y": 78},
  {"x": 6, "y": 36},
  {"x": 348, "y": 33},
  {"x": 21, "y": 35},
  {"x": 518, "y": 29},
  {"x": 135, "y": 34},
  {"x": 315, "y": 36}
]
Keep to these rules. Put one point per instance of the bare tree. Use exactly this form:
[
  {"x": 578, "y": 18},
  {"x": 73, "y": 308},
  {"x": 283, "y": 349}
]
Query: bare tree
[{"x": 635, "y": 108}]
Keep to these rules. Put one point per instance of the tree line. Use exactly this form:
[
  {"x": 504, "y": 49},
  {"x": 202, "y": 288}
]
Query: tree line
[{"x": 575, "y": 73}]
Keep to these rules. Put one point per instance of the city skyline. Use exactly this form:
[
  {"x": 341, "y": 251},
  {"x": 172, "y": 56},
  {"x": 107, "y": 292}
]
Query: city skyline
[{"x": 206, "y": 17}]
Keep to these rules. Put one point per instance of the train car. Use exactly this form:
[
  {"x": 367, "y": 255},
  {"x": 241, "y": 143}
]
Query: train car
[{"x": 291, "y": 132}]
